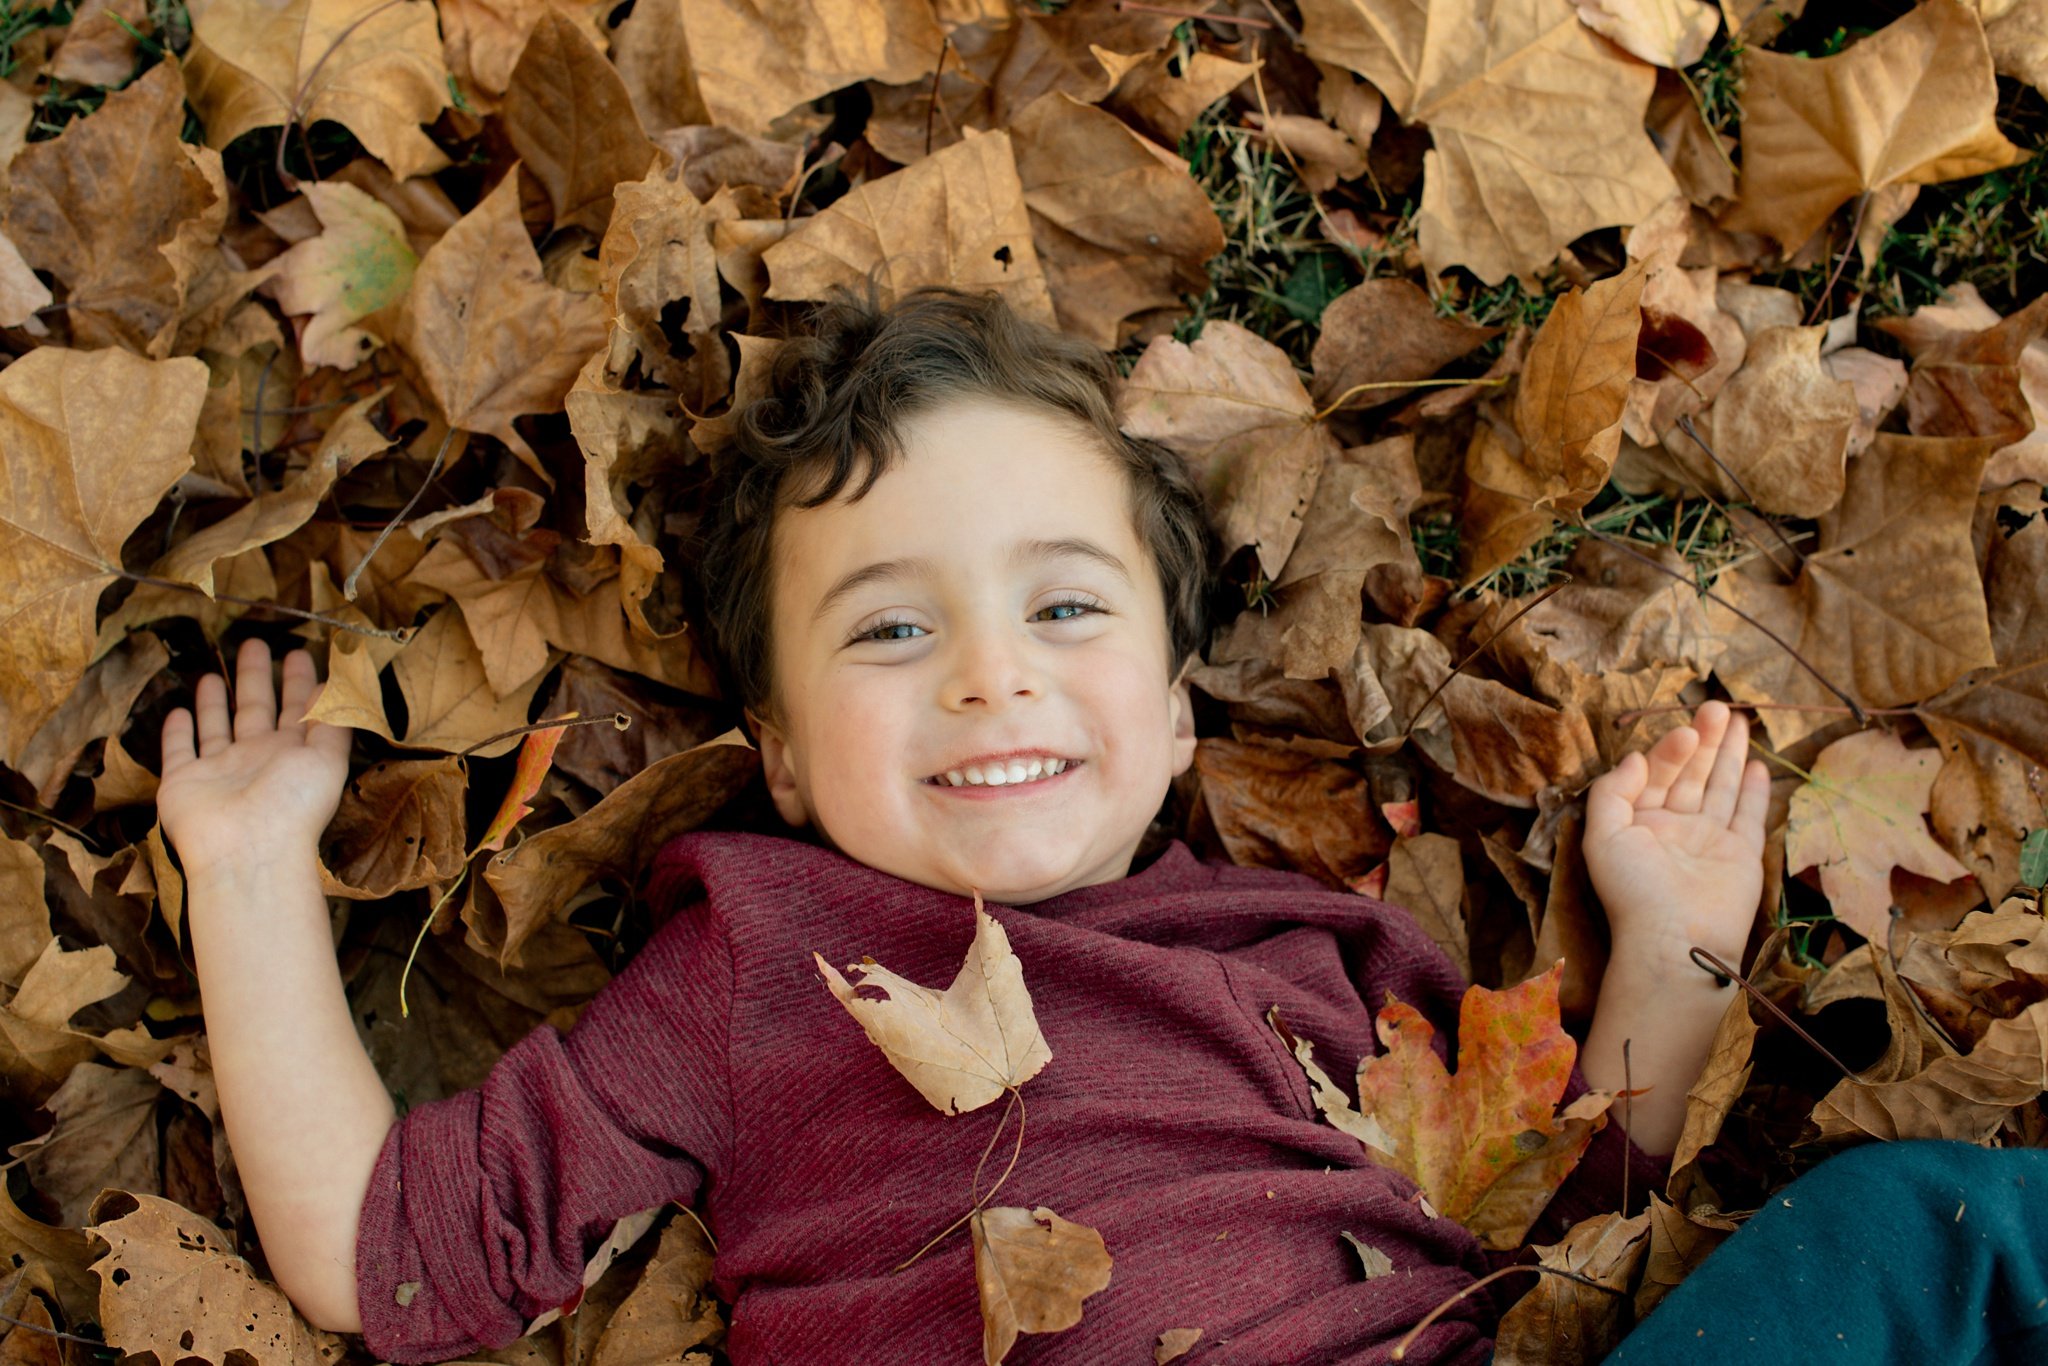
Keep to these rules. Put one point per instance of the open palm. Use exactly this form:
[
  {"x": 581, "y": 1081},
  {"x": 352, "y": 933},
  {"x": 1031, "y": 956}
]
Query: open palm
[
  {"x": 1674, "y": 839},
  {"x": 258, "y": 781}
]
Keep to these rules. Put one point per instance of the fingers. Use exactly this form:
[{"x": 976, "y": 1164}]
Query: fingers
[
  {"x": 1667, "y": 759},
  {"x": 299, "y": 678},
  {"x": 1688, "y": 789},
  {"x": 255, "y": 700},
  {"x": 1724, "y": 782},
  {"x": 210, "y": 707},
  {"x": 1611, "y": 800},
  {"x": 177, "y": 741},
  {"x": 1754, "y": 801}
]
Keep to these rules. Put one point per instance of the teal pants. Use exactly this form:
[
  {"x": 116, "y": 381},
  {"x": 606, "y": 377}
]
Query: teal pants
[{"x": 1917, "y": 1251}]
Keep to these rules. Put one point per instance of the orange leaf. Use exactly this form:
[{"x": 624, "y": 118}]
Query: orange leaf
[
  {"x": 1483, "y": 1143},
  {"x": 534, "y": 758}
]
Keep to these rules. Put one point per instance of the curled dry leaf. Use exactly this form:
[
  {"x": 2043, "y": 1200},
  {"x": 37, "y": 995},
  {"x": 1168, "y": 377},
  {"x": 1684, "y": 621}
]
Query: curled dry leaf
[
  {"x": 360, "y": 264},
  {"x": 1862, "y": 813},
  {"x": 400, "y": 825},
  {"x": 1668, "y": 33},
  {"x": 962, "y": 1047},
  {"x": 1561, "y": 1320},
  {"x": 1034, "y": 1269},
  {"x": 171, "y": 1286}
]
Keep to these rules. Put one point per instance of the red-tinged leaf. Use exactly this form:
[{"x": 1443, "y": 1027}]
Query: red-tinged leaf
[
  {"x": 1404, "y": 817},
  {"x": 1483, "y": 1143},
  {"x": 534, "y": 758}
]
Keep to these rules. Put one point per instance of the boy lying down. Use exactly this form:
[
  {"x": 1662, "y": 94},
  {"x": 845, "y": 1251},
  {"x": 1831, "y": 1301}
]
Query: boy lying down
[{"x": 958, "y": 605}]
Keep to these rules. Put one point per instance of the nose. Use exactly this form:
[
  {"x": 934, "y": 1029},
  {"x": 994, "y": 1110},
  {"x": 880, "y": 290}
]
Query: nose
[{"x": 992, "y": 665}]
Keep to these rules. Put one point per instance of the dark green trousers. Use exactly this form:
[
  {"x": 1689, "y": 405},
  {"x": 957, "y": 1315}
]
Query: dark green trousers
[{"x": 1916, "y": 1251}]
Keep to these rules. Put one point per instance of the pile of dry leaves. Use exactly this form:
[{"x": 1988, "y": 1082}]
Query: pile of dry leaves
[{"x": 413, "y": 330}]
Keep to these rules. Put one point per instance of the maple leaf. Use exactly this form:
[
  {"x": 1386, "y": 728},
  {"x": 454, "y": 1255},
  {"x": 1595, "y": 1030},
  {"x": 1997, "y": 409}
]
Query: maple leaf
[
  {"x": 1861, "y": 813},
  {"x": 1483, "y": 1143},
  {"x": 360, "y": 264},
  {"x": 399, "y": 826},
  {"x": 1234, "y": 407},
  {"x": 1033, "y": 1269},
  {"x": 1889, "y": 608},
  {"x": 961, "y": 1047},
  {"x": 490, "y": 337},
  {"x": 370, "y": 65},
  {"x": 171, "y": 1285},
  {"x": 89, "y": 441},
  {"x": 1538, "y": 128},
  {"x": 957, "y": 217},
  {"x": 1914, "y": 103}
]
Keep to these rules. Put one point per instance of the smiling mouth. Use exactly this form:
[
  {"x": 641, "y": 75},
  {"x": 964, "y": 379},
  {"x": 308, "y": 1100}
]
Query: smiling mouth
[{"x": 1044, "y": 780}]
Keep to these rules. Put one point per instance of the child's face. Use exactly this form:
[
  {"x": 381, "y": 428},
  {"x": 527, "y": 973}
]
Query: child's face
[{"x": 972, "y": 662}]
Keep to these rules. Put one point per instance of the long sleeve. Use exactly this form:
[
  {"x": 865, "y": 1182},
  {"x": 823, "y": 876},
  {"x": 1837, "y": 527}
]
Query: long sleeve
[{"x": 484, "y": 1208}]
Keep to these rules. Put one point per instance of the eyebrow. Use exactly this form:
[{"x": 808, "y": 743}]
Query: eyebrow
[{"x": 923, "y": 567}]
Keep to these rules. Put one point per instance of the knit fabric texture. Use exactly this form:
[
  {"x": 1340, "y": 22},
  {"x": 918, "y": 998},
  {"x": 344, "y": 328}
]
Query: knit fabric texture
[{"x": 1172, "y": 1119}]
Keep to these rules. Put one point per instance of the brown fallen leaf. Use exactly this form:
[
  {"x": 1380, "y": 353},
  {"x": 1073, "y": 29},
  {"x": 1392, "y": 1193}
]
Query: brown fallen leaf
[
  {"x": 1380, "y": 333},
  {"x": 400, "y": 825},
  {"x": 1971, "y": 383},
  {"x": 1034, "y": 1269},
  {"x": 1963, "y": 1098},
  {"x": 1426, "y": 878},
  {"x": 450, "y": 703},
  {"x": 957, "y": 217},
  {"x": 99, "y": 46},
  {"x": 1862, "y": 813},
  {"x": 1167, "y": 102},
  {"x": 105, "y": 1134},
  {"x": 1963, "y": 310},
  {"x": 1669, "y": 33},
  {"x": 102, "y": 435},
  {"x": 97, "y": 205},
  {"x": 1889, "y": 608},
  {"x": 962, "y": 1047},
  {"x": 1175, "y": 1343},
  {"x": 756, "y": 61},
  {"x": 1911, "y": 103},
  {"x": 170, "y": 1285},
  {"x": 1277, "y": 805},
  {"x": 671, "y": 1309},
  {"x": 1561, "y": 1320},
  {"x": 1119, "y": 225},
  {"x": 380, "y": 75},
  {"x": 1538, "y": 130},
  {"x": 1233, "y": 405},
  {"x": 570, "y": 119},
  {"x": 490, "y": 338},
  {"x": 97, "y": 708},
  {"x": 1722, "y": 1079}
]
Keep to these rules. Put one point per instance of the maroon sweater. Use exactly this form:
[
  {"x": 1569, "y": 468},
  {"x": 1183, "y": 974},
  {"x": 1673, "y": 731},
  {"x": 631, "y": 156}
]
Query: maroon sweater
[{"x": 1171, "y": 1119}]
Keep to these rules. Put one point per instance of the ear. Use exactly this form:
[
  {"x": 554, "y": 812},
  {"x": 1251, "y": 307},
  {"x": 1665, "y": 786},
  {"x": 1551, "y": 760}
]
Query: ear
[
  {"x": 778, "y": 772},
  {"x": 1182, "y": 706}
]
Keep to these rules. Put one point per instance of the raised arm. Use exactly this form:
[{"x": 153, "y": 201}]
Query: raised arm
[{"x": 305, "y": 1109}]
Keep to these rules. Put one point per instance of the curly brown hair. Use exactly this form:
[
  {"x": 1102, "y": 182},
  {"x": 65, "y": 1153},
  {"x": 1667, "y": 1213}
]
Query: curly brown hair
[{"x": 840, "y": 392}]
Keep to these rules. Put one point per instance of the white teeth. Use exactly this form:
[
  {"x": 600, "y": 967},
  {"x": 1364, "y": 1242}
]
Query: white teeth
[{"x": 998, "y": 775}]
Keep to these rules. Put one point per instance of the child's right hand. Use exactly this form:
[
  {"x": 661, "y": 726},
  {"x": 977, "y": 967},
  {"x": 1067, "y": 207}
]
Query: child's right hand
[{"x": 261, "y": 785}]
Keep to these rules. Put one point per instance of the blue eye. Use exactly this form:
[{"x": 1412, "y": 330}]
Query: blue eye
[{"x": 1084, "y": 606}]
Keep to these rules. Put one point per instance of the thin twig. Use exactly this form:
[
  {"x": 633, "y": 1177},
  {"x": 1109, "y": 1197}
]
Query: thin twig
[
  {"x": 400, "y": 634},
  {"x": 1400, "y": 1352},
  {"x": 931, "y": 106},
  {"x": 1720, "y": 969},
  {"x": 256, "y": 422},
  {"x": 1855, "y": 226},
  {"x": 1480, "y": 649},
  {"x": 348, "y": 585},
  {"x": 49, "y": 819},
  {"x": 1628, "y": 1116},
  {"x": 1338, "y": 402},
  {"x": 1912, "y": 997},
  {"x": 291, "y": 117},
  {"x": 1685, "y": 424},
  {"x": 618, "y": 720},
  {"x": 1862, "y": 717}
]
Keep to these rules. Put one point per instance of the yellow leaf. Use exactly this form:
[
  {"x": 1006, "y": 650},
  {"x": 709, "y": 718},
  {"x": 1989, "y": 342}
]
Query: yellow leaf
[{"x": 360, "y": 264}]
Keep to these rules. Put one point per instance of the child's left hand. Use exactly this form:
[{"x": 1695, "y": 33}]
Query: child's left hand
[{"x": 1674, "y": 844}]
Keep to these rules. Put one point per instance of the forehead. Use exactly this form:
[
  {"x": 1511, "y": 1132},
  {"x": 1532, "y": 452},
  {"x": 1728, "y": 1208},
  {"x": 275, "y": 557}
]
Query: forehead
[{"x": 971, "y": 476}]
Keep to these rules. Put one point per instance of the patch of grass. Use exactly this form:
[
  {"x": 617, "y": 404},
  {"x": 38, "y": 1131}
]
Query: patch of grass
[{"x": 19, "y": 18}]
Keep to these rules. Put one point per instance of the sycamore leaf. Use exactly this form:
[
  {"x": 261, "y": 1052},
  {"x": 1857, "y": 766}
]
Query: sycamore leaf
[
  {"x": 89, "y": 441},
  {"x": 1537, "y": 124},
  {"x": 1034, "y": 1269},
  {"x": 490, "y": 337},
  {"x": 170, "y": 1285},
  {"x": 568, "y": 116},
  {"x": 1862, "y": 813},
  {"x": 450, "y": 703},
  {"x": 1233, "y": 406},
  {"x": 957, "y": 218},
  {"x": 962, "y": 1047},
  {"x": 535, "y": 756},
  {"x": 1672, "y": 33},
  {"x": 370, "y": 65},
  {"x": 1889, "y": 608},
  {"x": 1913, "y": 103},
  {"x": 757, "y": 59},
  {"x": 359, "y": 264},
  {"x": 1482, "y": 1143}
]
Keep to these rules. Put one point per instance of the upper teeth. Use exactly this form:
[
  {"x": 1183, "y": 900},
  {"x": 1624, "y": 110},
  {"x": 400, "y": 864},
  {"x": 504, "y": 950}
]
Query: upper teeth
[{"x": 997, "y": 775}]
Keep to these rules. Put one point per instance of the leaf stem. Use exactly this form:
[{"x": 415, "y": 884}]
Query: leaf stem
[
  {"x": 1400, "y": 1352},
  {"x": 1016, "y": 1102},
  {"x": 348, "y": 585}
]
